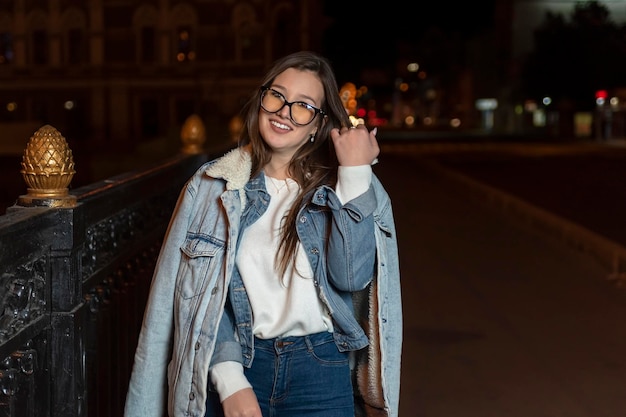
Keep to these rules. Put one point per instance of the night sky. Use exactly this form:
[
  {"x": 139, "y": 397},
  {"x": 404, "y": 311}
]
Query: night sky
[{"x": 366, "y": 36}]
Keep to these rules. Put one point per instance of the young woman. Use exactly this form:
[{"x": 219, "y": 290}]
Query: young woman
[{"x": 277, "y": 292}]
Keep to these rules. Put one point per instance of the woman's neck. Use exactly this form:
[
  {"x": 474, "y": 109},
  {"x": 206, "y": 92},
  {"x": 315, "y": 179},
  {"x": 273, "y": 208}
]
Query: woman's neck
[{"x": 277, "y": 169}]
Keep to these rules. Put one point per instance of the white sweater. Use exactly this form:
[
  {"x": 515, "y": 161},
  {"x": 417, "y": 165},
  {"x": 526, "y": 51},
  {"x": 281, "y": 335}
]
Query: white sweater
[{"x": 287, "y": 305}]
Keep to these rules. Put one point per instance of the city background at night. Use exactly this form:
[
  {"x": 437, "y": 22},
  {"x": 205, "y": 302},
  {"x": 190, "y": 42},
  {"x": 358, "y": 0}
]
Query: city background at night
[
  {"x": 121, "y": 77},
  {"x": 502, "y": 133}
]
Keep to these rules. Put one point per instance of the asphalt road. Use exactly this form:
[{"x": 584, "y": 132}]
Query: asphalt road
[{"x": 501, "y": 319}]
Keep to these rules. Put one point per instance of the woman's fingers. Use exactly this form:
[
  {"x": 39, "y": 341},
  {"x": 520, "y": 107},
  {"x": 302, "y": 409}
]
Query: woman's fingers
[{"x": 355, "y": 145}]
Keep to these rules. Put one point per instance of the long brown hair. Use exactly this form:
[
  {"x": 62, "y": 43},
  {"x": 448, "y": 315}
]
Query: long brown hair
[{"x": 315, "y": 163}]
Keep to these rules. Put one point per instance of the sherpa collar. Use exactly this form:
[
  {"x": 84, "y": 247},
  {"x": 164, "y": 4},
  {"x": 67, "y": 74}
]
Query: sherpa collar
[{"x": 234, "y": 167}]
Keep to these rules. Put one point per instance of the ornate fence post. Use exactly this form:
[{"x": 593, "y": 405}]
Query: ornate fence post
[{"x": 41, "y": 257}]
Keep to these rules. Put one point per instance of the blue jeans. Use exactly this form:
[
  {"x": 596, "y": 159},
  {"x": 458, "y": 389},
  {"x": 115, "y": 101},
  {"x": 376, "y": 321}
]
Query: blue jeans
[{"x": 303, "y": 376}]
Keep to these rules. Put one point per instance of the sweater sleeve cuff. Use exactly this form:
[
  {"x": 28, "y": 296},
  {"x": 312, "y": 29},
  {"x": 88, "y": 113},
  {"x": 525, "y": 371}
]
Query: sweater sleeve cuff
[
  {"x": 228, "y": 378},
  {"x": 352, "y": 181}
]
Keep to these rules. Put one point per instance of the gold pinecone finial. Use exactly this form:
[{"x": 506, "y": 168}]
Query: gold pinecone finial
[
  {"x": 193, "y": 135},
  {"x": 47, "y": 169},
  {"x": 234, "y": 128}
]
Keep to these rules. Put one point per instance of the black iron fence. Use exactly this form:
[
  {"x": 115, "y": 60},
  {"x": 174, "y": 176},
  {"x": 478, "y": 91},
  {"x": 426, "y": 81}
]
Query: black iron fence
[{"x": 74, "y": 274}]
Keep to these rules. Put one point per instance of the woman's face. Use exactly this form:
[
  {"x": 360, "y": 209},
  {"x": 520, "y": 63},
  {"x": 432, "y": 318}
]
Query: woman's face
[{"x": 278, "y": 130}]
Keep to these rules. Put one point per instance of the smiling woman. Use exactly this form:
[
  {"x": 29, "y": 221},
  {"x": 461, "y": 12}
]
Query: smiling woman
[{"x": 290, "y": 230}]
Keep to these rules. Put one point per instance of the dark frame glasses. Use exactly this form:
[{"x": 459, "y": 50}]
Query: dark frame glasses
[{"x": 302, "y": 114}]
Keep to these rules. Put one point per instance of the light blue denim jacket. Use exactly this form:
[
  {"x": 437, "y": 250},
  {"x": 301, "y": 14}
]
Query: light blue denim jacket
[{"x": 196, "y": 271}]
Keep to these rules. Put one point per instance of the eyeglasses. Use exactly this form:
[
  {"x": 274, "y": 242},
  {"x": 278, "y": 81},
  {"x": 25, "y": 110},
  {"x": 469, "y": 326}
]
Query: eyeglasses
[{"x": 301, "y": 113}]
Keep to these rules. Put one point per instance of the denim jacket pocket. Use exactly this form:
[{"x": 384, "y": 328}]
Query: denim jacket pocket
[{"x": 198, "y": 253}]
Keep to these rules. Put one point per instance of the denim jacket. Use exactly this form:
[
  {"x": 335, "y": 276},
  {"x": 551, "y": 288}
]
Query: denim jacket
[{"x": 196, "y": 272}]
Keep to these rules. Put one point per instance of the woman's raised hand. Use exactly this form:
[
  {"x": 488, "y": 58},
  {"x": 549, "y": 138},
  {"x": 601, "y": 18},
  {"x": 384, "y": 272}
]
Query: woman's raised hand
[{"x": 355, "y": 145}]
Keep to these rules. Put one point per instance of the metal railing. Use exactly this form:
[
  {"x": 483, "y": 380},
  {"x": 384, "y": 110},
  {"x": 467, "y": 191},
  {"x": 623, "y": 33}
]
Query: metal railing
[{"x": 75, "y": 269}]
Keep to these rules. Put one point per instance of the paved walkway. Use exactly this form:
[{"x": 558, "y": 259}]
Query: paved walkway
[
  {"x": 500, "y": 319},
  {"x": 574, "y": 191}
]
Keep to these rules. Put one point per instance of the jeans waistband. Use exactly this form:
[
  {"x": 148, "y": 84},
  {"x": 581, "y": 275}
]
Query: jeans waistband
[{"x": 293, "y": 343}]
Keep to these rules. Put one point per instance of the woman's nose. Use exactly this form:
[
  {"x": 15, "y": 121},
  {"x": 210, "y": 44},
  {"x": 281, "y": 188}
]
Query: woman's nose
[{"x": 284, "y": 111}]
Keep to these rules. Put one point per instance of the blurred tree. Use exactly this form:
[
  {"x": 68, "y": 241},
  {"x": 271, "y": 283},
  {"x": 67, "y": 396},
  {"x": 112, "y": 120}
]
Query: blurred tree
[
  {"x": 572, "y": 59},
  {"x": 379, "y": 35}
]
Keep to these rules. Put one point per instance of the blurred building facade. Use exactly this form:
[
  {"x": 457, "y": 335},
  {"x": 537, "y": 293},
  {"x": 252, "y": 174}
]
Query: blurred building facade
[{"x": 110, "y": 72}]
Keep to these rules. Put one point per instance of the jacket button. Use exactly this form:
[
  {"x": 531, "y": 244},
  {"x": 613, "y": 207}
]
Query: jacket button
[
  {"x": 302, "y": 219},
  {"x": 197, "y": 347},
  {"x": 192, "y": 396},
  {"x": 214, "y": 290}
]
